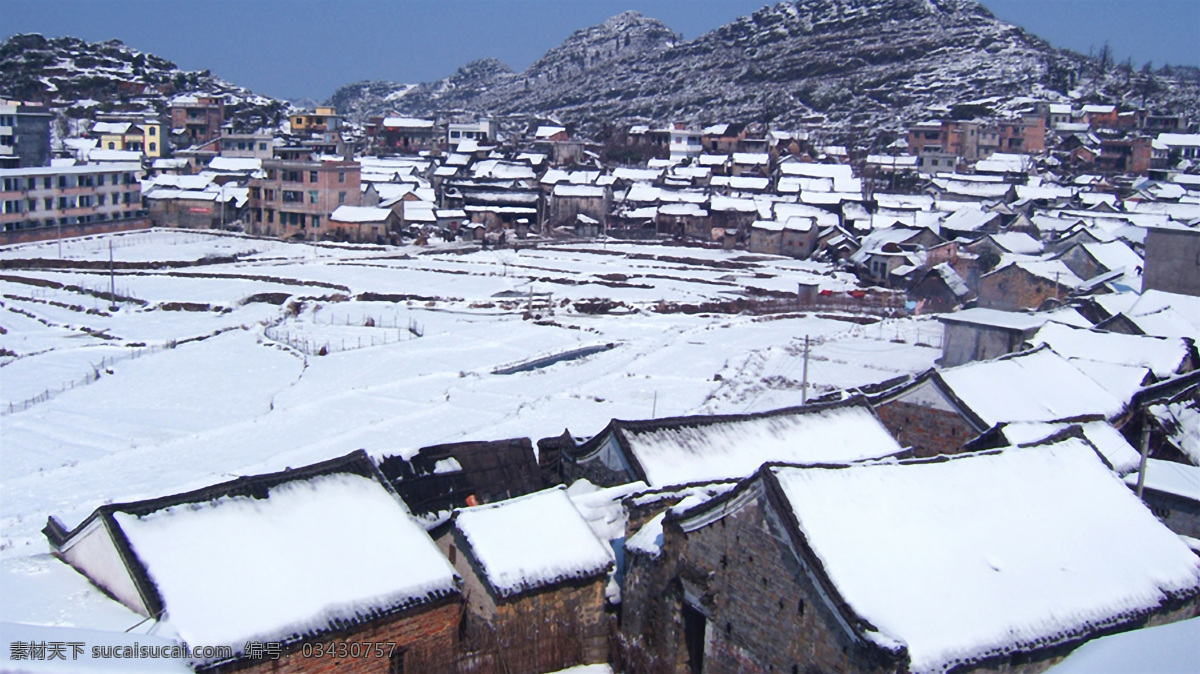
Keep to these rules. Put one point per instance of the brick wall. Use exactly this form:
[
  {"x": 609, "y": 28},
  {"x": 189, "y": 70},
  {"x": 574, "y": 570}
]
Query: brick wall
[
  {"x": 761, "y": 611},
  {"x": 928, "y": 431},
  {"x": 1013, "y": 289},
  {"x": 85, "y": 229},
  {"x": 428, "y": 639}
]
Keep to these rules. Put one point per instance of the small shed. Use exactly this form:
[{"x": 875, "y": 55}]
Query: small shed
[{"x": 535, "y": 577}]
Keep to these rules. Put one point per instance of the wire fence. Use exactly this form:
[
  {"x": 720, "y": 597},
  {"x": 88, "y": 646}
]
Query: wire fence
[
  {"x": 97, "y": 371},
  {"x": 312, "y": 339}
]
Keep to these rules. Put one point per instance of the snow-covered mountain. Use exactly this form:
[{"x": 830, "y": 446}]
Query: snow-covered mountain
[
  {"x": 862, "y": 65},
  {"x": 78, "y": 77}
]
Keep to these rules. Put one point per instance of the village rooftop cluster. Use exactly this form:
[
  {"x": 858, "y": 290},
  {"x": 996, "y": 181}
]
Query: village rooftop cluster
[{"x": 1037, "y": 491}]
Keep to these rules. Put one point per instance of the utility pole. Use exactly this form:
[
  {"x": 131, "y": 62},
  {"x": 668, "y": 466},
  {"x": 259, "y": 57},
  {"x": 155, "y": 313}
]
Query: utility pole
[
  {"x": 804, "y": 377},
  {"x": 112, "y": 279},
  {"x": 654, "y": 406},
  {"x": 1145, "y": 447}
]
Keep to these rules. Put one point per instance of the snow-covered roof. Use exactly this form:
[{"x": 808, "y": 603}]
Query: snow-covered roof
[
  {"x": 969, "y": 219},
  {"x": 1018, "y": 242},
  {"x": 235, "y": 164},
  {"x": 503, "y": 170},
  {"x": 955, "y": 282},
  {"x": 360, "y": 214},
  {"x": 531, "y": 542},
  {"x": 548, "y": 131},
  {"x": 1037, "y": 385},
  {"x": 586, "y": 191},
  {"x": 637, "y": 175},
  {"x": 408, "y": 123},
  {"x": 971, "y": 572},
  {"x": 1169, "y": 477},
  {"x": 232, "y": 567},
  {"x": 1051, "y": 270},
  {"x": 702, "y": 449},
  {"x": 1005, "y": 163},
  {"x": 1161, "y": 355},
  {"x": 1111, "y": 444}
]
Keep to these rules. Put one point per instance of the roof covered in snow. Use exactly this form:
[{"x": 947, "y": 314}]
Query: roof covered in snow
[
  {"x": 531, "y": 542},
  {"x": 1163, "y": 356},
  {"x": 360, "y": 214},
  {"x": 1037, "y": 385},
  {"x": 246, "y": 560},
  {"x": 683, "y": 450},
  {"x": 971, "y": 572}
]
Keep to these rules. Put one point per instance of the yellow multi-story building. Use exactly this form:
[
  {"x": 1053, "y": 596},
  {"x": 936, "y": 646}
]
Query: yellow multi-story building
[
  {"x": 325, "y": 120},
  {"x": 145, "y": 136}
]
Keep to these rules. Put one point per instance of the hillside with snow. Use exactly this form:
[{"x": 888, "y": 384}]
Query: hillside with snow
[{"x": 854, "y": 67}]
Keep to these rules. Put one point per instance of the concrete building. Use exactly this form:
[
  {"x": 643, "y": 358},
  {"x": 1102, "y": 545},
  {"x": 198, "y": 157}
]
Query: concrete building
[
  {"x": 45, "y": 197},
  {"x": 197, "y": 119},
  {"x": 296, "y": 198},
  {"x": 24, "y": 135}
]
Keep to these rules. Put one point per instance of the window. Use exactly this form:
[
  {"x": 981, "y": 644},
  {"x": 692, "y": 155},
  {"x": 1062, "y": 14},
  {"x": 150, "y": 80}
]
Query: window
[
  {"x": 153, "y": 132},
  {"x": 341, "y": 176},
  {"x": 396, "y": 662},
  {"x": 312, "y": 176},
  {"x": 292, "y": 197},
  {"x": 291, "y": 176},
  {"x": 48, "y": 203},
  {"x": 341, "y": 197},
  {"x": 270, "y": 215},
  {"x": 112, "y": 145},
  {"x": 314, "y": 197},
  {"x": 100, "y": 180},
  {"x": 47, "y": 183},
  {"x": 262, "y": 147},
  {"x": 100, "y": 198},
  {"x": 153, "y": 147}
]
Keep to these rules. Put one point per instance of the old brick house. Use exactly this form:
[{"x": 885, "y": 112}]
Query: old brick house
[
  {"x": 256, "y": 560},
  {"x": 787, "y": 572},
  {"x": 1027, "y": 285},
  {"x": 941, "y": 410},
  {"x": 534, "y": 583}
]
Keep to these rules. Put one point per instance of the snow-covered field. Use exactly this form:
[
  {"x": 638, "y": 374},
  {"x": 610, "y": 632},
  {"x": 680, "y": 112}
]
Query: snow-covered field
[{"x": 227, "y": 356}]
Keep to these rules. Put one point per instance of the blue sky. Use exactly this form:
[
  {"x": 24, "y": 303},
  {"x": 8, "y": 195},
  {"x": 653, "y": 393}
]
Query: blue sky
[{"x": 308, "y": 48}]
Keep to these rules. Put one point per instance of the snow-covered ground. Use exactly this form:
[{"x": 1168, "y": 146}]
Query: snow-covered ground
[{"x": 200, "y": 374}]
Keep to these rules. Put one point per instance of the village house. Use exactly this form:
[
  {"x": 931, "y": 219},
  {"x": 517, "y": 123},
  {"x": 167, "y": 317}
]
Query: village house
[
  {"x": 1027, "y": 284},
  {"x": 403, "y": 135},
  {"x": 941, "y": 410},
  {"x": 247, "y": 145},
  {"x": 296, "y": 198},
  {"x": 681, "y": 450},
  {"x": 534, "y": 583},
  {"x": 984, "y": 334},
  {"x": 570, "y": 201},
  {"x": 321, "y": 122},
  {"x": 362, "y": 224},
  {"x": 774, "y": 576},
  {"x": 238, "y": 563},
  {"x": 938, "y": 289},
  {"x": 197, "y": 119}
]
